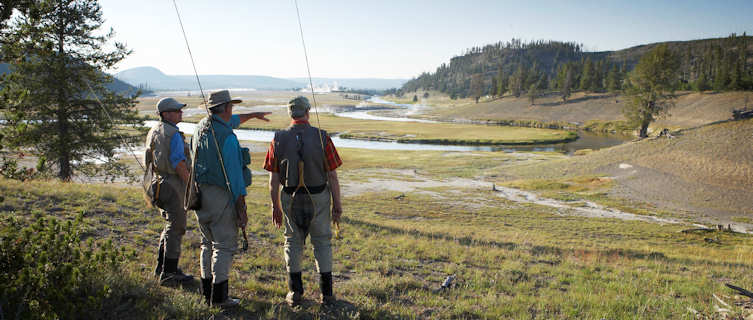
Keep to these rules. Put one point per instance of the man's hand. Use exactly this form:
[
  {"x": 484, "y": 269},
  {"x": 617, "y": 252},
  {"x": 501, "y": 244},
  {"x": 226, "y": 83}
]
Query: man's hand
[
  {"x": 337, "y": 212},
  {"x": 240, "y": 209},
  {"x": 253, "y": 115},
  {"x": 277, "y": 216}
]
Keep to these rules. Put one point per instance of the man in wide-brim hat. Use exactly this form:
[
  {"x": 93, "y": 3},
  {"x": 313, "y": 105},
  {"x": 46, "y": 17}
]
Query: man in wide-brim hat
[{"x": 222, "y": 211}]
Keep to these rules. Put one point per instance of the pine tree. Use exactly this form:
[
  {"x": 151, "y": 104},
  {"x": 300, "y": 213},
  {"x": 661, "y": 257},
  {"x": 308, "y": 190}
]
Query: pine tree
[
  {"x": 587, "y": 76},
  {"x": 517, "y": 81},
  {"x": 652, "y": 86},
  {"x": 502, "y": 82},
  {"x": 49, "y": 99},
  {"x": 613, "y": 80},
  {"x": 567, "y": 82},
  {"x": 533, "y": 92},
  {"x": 701, "y": 83}
]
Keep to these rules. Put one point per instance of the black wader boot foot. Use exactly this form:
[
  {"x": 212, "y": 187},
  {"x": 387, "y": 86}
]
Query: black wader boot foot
[
  {"x": 325, "y": 284},
  {"x": 206, "y": 290},
  {"x": 171, "y": 274},
  {"x": 295, "y": 289},
  {"x": 220, "y": 297},
  {"x": 160, "y": 259}
]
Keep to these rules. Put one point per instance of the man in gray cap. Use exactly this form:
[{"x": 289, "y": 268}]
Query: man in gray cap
[
  {"x": 303, "y": 159},
  {"x": 167, "y": 153},
  {"x": 222, "y": 211}
]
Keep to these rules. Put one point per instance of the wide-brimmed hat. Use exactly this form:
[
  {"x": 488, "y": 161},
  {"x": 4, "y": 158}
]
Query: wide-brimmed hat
[
  {"x": 298, "y": 106},
  {"x": 169, "y": 104},
  {"x": 217, "y": 98}
]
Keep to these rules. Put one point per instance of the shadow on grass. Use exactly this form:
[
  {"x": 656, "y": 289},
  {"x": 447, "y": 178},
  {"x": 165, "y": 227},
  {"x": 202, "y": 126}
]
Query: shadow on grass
[
  {"x": 309, "y": 309},
  {"x": 539, "y": 250}
]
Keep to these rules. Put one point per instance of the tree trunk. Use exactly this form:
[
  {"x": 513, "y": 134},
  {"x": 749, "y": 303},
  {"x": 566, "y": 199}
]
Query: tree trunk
[
  {"x": 64, "y": 153},
  {"x": 644, "y": 129},
  {"x": 64, "y": 157}
]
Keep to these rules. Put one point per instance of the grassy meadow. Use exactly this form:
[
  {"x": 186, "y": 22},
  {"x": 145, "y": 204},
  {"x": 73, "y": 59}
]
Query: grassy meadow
[{"x": 412, "y": 219}]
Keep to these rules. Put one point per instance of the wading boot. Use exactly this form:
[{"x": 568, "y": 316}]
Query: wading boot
[
  {"x": 206, "y": 290},
  {"x": 295, "y": 289},
  {"x": 325, "y": 284},
  {"x": 160, "y": 260},
  {"x": 172, "y": 274},
  {"x": 220, "y": 297}
]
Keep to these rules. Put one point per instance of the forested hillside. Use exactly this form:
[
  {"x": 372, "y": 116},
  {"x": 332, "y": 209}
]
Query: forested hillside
[{"x": 536, "y": 67}]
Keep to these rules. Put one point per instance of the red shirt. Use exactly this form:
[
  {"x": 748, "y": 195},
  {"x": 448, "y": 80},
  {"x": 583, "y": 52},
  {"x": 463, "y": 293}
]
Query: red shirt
[{"x": 332, "y": 158}]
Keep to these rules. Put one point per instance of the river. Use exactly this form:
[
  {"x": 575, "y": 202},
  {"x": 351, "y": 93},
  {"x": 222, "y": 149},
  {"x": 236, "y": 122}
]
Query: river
[{"x": 585, "y": 140}]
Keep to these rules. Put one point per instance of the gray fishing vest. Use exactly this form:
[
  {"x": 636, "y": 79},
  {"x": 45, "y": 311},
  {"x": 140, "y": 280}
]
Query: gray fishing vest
[
  {"x": 158, "y": 153},
  {"x": 300, "y": 141}
]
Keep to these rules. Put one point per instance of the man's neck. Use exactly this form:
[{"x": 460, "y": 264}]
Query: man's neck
[{"x": 226, "y": 116}]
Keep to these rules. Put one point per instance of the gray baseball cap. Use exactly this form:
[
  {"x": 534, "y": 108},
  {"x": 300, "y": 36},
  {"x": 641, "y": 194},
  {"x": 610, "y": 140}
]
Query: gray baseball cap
[
  {"x": 298, "y": 106},
  {"x": 169, "y": 104}
]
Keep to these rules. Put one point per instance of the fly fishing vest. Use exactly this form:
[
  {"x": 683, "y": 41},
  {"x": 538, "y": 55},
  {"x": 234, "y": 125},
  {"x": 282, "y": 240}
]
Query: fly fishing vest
[
  {"x": 158, "y": 147},
  {"x": 301, "y": 142},
  {"x": 208, "y": 167},
  {"x": 164, "y": 183}
]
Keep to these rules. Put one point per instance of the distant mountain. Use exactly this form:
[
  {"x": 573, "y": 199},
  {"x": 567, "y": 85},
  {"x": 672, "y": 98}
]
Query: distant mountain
[
  {"x": 154, "y": 79},
  {"x": 116, "y": 85},
  {"x": 355, "y": 83}
]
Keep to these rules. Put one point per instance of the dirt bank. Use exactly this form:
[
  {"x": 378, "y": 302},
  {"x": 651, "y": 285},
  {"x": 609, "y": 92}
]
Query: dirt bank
[{"x": 706, "y": 171}]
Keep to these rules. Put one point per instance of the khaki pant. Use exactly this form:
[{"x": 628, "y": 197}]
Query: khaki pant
[
  {"x": 320, "y": 231},
  {"x": 175, "y": 217},
  {"x": 219, "y": 232}
]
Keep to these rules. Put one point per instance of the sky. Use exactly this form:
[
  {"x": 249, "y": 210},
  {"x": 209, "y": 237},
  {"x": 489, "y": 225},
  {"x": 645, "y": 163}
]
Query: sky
[{"x": 391, "y": 39}]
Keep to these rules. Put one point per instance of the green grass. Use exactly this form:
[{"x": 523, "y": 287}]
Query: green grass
[{"x": 512, "y": 260}]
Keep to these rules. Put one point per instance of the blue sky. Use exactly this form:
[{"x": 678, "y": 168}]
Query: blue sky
[{"x": 392, "y": 39}]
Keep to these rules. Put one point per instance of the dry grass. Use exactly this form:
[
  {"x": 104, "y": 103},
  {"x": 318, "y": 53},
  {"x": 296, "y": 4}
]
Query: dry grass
[{"x": 706, "y": 170}]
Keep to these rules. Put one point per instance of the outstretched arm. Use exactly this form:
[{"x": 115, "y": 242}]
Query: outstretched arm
[{"x": 253, "y": 115}]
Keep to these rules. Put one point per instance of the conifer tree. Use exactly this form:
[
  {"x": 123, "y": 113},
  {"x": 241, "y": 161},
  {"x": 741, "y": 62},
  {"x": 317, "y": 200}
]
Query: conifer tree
[
  {"x": 587, "y": 75},
  {"x": 613, "y": 80},
  {"x": 567, "y": 82},
  {"x": 652, "y": 86},
  {"x": 502, "y": 83},
  {"x": 58, "y": 58},
  {"x": 533, "y": 92},
  {"x": 517, "y": 80}
]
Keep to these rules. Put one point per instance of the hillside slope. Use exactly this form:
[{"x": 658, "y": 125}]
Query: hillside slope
[
  {"x": 705, "y": 171},
  {"x": 722, "y": 63},
  {"x": 692, "y": 109}
]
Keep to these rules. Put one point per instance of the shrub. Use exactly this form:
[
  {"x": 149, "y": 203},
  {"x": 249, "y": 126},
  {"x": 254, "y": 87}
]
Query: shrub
[{"x": 48, "y": 273}]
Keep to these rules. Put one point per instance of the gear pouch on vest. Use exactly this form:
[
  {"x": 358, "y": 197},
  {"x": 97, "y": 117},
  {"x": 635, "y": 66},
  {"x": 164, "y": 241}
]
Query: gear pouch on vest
[
  {"x": 246, "y": 155},
  {"x": 158, "y": 192},
  {"x": 302, "y": 209},
  {"x": 153, "y": 185}
]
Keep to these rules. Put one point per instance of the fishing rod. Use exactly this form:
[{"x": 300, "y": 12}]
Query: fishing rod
[
  {"x": 122, "y": 139},
  {"x": 211, "y": 127},
  {"x": 316, "y": 111}
]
